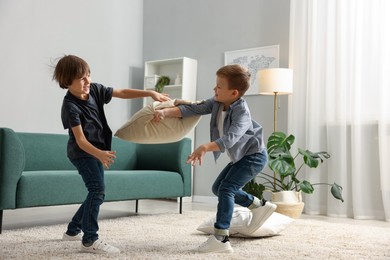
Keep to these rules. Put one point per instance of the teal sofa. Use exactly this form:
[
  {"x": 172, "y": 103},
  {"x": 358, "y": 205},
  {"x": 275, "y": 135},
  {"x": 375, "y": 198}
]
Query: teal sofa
[{"x": 35, "y": 171}]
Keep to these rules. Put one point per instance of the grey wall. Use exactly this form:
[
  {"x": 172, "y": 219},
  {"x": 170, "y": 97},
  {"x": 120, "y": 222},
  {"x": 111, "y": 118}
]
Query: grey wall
[
  {"x": 113, "y": 37},
  {"x": 107, "y": 34},
  {"x": 204, "y": 30}
]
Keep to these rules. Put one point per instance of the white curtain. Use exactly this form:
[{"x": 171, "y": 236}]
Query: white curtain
[{"x": 339, "y": 51}]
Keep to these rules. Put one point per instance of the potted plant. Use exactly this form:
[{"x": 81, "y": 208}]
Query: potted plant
[
  {"x": 285, "y": 182},
  {"x": 161, "y": 83}
]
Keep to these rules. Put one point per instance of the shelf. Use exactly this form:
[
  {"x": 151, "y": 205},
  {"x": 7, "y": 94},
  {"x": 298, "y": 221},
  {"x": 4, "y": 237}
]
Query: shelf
[
  {"x": 167, "y": 87},
  {"x": 185, "y": 67}
]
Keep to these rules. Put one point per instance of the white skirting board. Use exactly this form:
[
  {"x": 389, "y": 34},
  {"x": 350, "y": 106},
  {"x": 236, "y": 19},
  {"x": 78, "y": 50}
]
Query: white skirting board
[{"x": 205, "y": 199}]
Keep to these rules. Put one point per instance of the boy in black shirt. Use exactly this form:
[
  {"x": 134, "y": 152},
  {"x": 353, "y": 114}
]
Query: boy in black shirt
[{"x": 89, "y": 145}]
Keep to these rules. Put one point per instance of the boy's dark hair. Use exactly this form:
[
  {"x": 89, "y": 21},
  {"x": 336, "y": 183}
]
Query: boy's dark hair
[
  {"x": 69, "y": 68},
  {"x": 238, "y": 77}
]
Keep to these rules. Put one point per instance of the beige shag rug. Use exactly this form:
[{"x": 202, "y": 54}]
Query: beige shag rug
[{"x": 174, "y": 236}]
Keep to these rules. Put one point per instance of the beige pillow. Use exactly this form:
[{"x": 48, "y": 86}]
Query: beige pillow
[
  {"x": 141, "y": 128},
  {"x": 275, "y": 224}
]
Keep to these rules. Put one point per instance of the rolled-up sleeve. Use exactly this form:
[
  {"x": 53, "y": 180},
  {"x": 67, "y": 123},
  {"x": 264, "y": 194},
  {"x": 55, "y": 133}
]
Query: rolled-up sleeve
[{"x": 196, "y": 109}]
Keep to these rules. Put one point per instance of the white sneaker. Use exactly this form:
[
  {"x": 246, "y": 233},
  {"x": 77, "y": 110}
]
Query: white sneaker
[
  {"x": 259, "y": 216},
  {"x": 100, "y": 247},
  {"x": 66, "y": 237},
  {"x": 213, "y": 245}
]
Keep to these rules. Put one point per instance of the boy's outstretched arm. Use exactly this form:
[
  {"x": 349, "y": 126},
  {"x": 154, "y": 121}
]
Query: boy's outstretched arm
[
  {"x": 160, "y": 114},
  {"x": 138, "y": 93}
]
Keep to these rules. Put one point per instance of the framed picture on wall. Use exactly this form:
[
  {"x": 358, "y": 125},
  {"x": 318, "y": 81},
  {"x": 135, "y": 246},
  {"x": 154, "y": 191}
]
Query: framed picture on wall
[{"x": 254, "y": 59}]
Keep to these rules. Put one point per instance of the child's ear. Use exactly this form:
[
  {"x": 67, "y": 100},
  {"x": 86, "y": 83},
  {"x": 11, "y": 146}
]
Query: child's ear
[{"x": 235, "y": 92}]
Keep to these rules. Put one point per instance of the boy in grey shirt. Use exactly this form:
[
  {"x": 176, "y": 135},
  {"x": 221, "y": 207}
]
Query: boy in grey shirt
[{"x": 233, "y": 131}]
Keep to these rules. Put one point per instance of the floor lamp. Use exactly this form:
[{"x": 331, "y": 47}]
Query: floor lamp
[{"x": 275, "y": 81}]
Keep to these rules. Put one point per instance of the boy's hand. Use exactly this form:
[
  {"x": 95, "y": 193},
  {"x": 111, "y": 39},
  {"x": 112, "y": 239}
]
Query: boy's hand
[
  {"x": 158, "y": 115},
  {"x": 107, "y": 158},
  {"x": 197, "y": 155},
  {"x": 159, "y": 96},
  {"x": 168, "y": 112}
]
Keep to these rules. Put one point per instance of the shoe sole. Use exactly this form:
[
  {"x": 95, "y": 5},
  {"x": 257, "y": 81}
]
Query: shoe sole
[
  {"x": 253, "y": 227},
  {"x": 66, "y": 237},
  {"x": 96, "y": 248},
  {"x": 98, "y": 252},
  {"x": 212, "y": 245},
  {"x": 230, "y": 250}
]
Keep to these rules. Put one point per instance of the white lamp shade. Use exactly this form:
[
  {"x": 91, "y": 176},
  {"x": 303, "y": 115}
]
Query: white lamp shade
[{"x": 275, "y": 80}]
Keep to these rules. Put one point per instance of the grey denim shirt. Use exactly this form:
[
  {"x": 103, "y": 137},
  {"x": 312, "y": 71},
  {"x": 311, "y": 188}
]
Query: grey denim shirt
[{"x": 242, "y": 135}]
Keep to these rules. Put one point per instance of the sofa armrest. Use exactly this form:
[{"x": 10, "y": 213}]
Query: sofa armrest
[
  {"x": 12, "y": 161},
  {"x": 167, "y": 157}
]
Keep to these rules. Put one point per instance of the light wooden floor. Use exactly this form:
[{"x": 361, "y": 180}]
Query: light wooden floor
[{"x": 30, "y": 217}]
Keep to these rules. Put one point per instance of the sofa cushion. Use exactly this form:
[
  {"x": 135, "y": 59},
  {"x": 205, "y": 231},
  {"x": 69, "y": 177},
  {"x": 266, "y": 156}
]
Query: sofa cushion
[
  {"x": 127, "y": 185},
  {"x": 45, "y": 151},
  {"x": 126, "y": 155},
  {"x": 44, "y": 188},
  {"x": 67, "y": 187},
  {"x": 48, "y": 152},
  {"x": 141, "y": 128}
]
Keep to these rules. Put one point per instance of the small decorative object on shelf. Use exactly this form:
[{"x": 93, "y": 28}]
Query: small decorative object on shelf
[
  {"x": 161, "y": 83},
  {"x": 178, "y": 79}
]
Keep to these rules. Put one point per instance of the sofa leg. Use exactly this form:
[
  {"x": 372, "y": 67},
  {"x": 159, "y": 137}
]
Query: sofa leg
[
  {"x": 1, "y": 221},
  {"x": 136, "y": 206},
  {"x": 181, "y": 205}
]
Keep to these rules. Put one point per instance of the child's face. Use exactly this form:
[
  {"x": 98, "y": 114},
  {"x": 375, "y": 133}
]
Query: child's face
[
  {"x": 222, "y": 92},
  {"x": 80, "y": 87}
]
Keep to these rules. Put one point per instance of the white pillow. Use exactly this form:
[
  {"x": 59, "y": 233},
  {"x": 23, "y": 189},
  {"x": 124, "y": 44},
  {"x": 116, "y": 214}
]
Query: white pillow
[
  {"x": 141, "y": 128},
  {"x": 240, "y": 220}
]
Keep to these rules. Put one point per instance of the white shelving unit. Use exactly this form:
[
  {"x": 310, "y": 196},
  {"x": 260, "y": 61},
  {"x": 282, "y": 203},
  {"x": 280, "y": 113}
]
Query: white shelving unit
[{"x": 185, "y": 67}]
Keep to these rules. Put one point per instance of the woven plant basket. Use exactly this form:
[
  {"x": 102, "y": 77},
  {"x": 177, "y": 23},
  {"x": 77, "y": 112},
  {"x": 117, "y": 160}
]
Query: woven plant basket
[
  {"x": 289, "y": 209},
  {"x": 288, "y": 203}
]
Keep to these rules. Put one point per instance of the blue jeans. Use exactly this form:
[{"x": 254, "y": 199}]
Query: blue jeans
[
  {"x": 86, "y": 217},
  {"x": 228, "y": 187}
]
